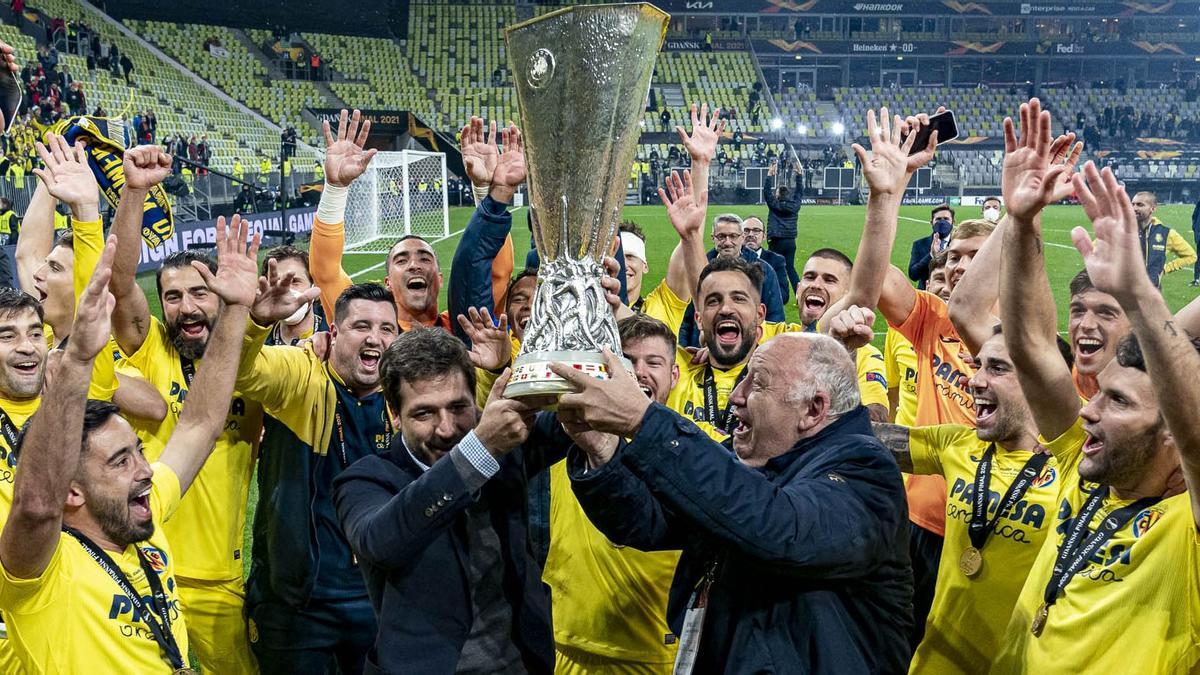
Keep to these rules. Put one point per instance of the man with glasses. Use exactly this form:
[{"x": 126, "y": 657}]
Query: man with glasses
[{"x": 753, "y": 234}]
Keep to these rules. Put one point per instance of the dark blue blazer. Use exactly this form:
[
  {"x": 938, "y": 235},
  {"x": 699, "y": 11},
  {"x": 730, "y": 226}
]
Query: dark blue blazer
[{"x": 813, "y": 572}]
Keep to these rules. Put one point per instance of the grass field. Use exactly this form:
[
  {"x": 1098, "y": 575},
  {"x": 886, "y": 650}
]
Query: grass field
[{"x": 838, "y": 227}]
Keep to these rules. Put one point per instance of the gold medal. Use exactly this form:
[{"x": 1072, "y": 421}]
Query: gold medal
[
  {"x": 185, "y": 671},
  {"x": 970, "y": 562},
  {"x": 1039, "y": 619}
]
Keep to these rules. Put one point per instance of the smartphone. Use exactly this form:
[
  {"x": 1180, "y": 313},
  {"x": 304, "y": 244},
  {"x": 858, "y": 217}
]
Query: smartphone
[
  {"x": 946, "y": 127},
  {"x": 10, "y": 97}
]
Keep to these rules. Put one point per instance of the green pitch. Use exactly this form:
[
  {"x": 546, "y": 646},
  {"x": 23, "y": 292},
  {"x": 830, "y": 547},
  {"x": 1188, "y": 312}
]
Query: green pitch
[{"x": 837, "y": 227}]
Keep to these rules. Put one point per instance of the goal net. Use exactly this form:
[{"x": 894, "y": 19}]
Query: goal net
[{"x": 400, "y": 193}]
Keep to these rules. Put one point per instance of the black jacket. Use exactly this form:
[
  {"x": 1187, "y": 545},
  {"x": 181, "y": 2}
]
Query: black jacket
[
  {"x": 780, "y": 266},
  {"x": 408, "y": 529},
  {"x": 814, "y": 572},
  {"x": 918, "y": 261},
  {"x": 781, "y": 221}
]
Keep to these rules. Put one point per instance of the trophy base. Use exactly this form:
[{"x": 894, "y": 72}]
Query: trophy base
[{"x": 533, "y": 380}]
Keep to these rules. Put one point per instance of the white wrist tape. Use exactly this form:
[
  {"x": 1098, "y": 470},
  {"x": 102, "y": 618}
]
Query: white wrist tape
[{"x": 332, "y": 207}]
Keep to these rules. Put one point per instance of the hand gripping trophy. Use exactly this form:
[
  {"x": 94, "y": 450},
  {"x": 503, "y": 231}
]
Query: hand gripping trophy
[{"x": 582, "y": 75}]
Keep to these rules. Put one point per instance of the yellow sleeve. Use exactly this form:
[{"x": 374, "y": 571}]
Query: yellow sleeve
[
  {"x": 88, "y": 245},
  {"x": 1067, "y": 449},
  {"x": 273, "y": 376},
  {"x": 662, "y": 304},
  {"x": 164, "y": 492},
  {"x": 872, "y": 380},
  {"x": 1184, "y": 253},
  {"x": 325, "y": 261},
  {"x": 484, "y": 379},
  {"x": 25, "y": 596},
  {"x": 925, "y": 446},
  {"x": 891, "y": 367}
]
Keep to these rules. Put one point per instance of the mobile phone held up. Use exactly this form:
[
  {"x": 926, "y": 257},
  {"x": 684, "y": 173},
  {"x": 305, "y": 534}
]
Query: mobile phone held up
[
  {"x": 10, "y": 98},
  {"x": 946, "y": 127}
]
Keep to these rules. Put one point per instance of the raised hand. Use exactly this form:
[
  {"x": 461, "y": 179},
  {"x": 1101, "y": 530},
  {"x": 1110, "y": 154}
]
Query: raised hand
[
  {"x": 685, "y": 209},
  {"x": 480, "y": 154},
  {"x": 146, "y": 166},
  {"x": 276, "y": 300},
  {"x": 237, "y": 268},
  {"x": 888, "y": 166},
  {"x": 505, "y": 422},
  {"x": 1037, "y": 171},
  {"x": 510, "y": 167},
  {"x": 345, "y": 158},
  {"x": 853, "y": 327},
  {"x": 491, "y": 348},
  {"x": 93, "y": 314},
  {"x": 706, "y": 133},
  {"x": 9, "y": 58},
  {"x": 67, "y": 175},
  {"x": 1114, "y": 260}
]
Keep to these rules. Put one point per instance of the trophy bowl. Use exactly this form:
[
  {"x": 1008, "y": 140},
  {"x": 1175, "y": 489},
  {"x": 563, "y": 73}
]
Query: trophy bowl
[{"x": 582, "y": 76}]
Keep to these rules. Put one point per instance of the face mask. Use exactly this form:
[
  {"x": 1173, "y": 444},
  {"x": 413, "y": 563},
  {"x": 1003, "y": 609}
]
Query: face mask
[
  {"x": 298, "y": 315},
  {"x": 942, "y": 226},
  {"x": 991, "y": 215}
]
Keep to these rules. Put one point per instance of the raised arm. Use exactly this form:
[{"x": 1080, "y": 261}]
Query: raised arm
[
  {"x": 145, "y": 167},
  {"x": 203, "y": 416},
  {"x": 887, "y": 170},
  {"x": 345, "y": 160},
  {"x": 1031, "y": 180},
  {"x": 37, "y": 236},
  {"x": 52, "y": 444},
  {"x": 1115, "y": 265},
  {"x": 687, "y": 205},
  {"x": 701, "y": 145}
]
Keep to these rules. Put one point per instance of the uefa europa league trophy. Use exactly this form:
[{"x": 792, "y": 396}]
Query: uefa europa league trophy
[{"x": 582, "y": 76}]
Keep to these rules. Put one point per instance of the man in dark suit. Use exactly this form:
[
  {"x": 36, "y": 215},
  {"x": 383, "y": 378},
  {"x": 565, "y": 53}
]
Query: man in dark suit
[
  {"x": 438, "y": 522},
  {"x": 753, "y": 233},
  {"x": 941, "y": 220}
]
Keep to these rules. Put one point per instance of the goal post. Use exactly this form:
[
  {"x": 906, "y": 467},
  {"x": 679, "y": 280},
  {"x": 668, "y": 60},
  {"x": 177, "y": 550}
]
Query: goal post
[{"x": 400, "y": 193}]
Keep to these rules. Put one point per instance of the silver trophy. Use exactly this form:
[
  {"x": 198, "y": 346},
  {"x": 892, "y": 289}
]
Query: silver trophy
[{"x": 582, "y": 76}]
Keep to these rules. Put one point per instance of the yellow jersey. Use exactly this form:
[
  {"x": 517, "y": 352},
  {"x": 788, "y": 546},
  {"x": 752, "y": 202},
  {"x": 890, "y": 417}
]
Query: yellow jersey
[
  {"x": 18, "y": 412},
  {"x": 900, "y": 369},
  {"x": 687, "y": 396},
  {"x": 1133, "y": 608},
  {"x": 662, "y": 304},
  {"x": 209, "y": 526},
  {"x": 75, "y": 619},
  {"x": 608, "y": 601},
  {"x": 969, "y": 615}
]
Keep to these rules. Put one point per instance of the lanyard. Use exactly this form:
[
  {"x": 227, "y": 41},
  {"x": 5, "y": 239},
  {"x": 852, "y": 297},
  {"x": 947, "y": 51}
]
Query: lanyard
[
  {"x": 341, "y": 432},
  {"x": 159, "y": 606},
  {"x": 189, "y": 370},
  {"x": 981, "y": 527},
  {"x": 637, "y": 306},
  {"x": 1075, "y": 550},
  {"x": 10, "y": 432},
  {"x": 724, "y": 420}
]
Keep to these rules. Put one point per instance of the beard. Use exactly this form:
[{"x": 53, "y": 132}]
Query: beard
[
  {"x": 735, "y": 354},
  {"x": 1124, "y": 464},
  {"x": 112, "y": 516},
  {"x": 188, "y": 348},
  {"x": 1008, "y": 425}
]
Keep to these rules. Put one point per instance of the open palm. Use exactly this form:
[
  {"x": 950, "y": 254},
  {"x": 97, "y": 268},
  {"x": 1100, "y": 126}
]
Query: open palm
[
  {"x": 706, "y": 133},
  {"x": 1037, "y": 171},
  {"x": 345, "y": 158},
  {"x": 480, "y": 154},
  {"x": 510, "y": 167},
  {"x": 685, "y": 209},
  {"x": 1114, "y": 262},
  {"x": 67, "y": 175}
]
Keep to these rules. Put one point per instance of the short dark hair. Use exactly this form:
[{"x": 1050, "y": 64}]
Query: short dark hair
[
  {"x": 993, "y": 198},
  {"x": 833, "y": 254},
  {"x": 370, "y": 291},
  {"x": 422, "y": 354},
  {"x": 732, "y": 264},
  {"x": 938, "y": 260},
  {"x": 95, "y": 414},
  {"x": 642, "y": 327},
  {"x": 67, "y": 239},
  {"x": 405, "y": 238},
  {"x": 941, "y": 207},
  {"x": 1129, "y": 352},
  {"x": 632, "y": 228},
  {"x": 1081, "y": 283},
  {"x": 183, "y": 258},
  {"x": 13, "y": 302},
  {"x": 286, "y": 252}
]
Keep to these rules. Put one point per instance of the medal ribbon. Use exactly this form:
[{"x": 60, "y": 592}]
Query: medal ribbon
[{"x": 980, "y": 527}]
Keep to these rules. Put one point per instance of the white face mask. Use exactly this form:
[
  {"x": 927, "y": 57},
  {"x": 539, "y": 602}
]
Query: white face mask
[
  {"x": 298, "y": 315},
  {"x": 992, "y": 215}
]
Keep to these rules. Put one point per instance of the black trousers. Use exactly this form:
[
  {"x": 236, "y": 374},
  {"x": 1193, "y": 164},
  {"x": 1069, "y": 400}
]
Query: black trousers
[
  {"x": 925, "y": 548},
  {"x": 786, "y": 247},
  {"x": 328, "y": 637}
]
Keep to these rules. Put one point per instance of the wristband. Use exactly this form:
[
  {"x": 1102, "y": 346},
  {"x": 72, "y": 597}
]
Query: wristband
[
  {"x": 480, "y": 191},
  {"x": 332, "y": 207}
]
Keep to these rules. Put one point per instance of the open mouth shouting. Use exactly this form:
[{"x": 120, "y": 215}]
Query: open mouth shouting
[
  {"x": 1092, "y": 445},
  {"x": 193, "y": 329},
  {"x": 813, "y": 303},
  {"x": 1088, "y": 349},
  {"x": 728, "y": 332},
  {"x": 985, "y": 411},
  {"x": 369, "y": 358},
  {"x": 139, "y": 504}
]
